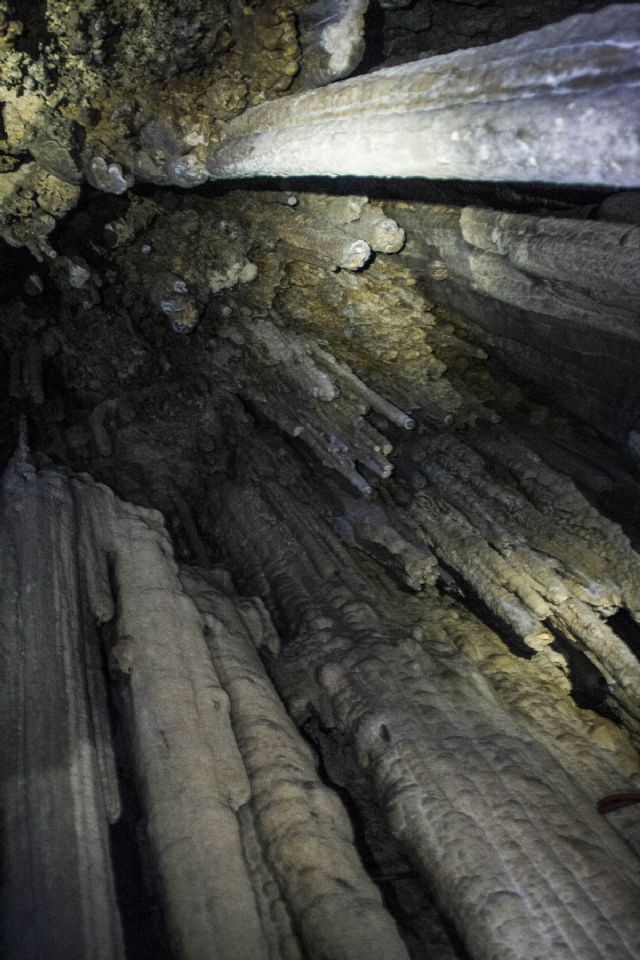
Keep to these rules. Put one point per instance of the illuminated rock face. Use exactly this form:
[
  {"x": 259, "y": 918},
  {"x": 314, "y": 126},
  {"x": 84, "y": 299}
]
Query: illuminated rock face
[{"x": 523, "y": 109}]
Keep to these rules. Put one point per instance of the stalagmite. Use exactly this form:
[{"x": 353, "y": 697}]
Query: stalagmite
[{"x": 555, "y": 105}]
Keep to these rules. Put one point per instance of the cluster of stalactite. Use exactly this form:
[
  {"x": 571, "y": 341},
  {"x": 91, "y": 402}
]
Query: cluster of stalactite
[
  {"x": 445, "y": 629},
  {"x": 360, "y": 688},
  {"x": 553, "y": 296},
  {"x": 483, "y": 775}
]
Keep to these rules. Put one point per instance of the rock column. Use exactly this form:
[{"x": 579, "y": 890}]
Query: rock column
[{"x": 555, "y": 105}]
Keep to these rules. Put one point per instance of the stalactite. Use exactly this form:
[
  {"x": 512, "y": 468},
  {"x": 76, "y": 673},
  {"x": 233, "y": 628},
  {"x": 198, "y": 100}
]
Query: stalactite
[
  {"x": 454, "y": 115},
  {"x": 58, "y": 897},
  {"x": 533, "y": 550},
  {"x": 552, "y": 294},
  {"x": 313, "y": 397},
  {"x": 450, "y": 768}
]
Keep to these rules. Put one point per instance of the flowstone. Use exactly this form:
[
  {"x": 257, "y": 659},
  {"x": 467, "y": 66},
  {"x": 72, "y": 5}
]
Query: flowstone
[{"x": 254, "y": 855}]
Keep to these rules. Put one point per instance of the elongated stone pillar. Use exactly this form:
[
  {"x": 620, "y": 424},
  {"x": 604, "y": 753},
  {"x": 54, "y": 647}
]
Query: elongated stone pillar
[
  {"x": 255, "y": 856},
  {"x": 57, "y": 779},
  {"x": 556, "y": 105}
]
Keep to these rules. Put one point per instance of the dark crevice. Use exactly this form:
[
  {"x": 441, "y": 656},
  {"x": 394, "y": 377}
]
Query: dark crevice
[
  {"x": 403, "y": 890},
  {"x": 17, "y": 263},
  {"x": 512, "y": 197},
  {"x": 453, "y": 583},
  {"x": 141, "y": 910},
  {"x": 589, "y": 689},
  {"x": 626, "y": 628},
  {"x": 373, "y": 56}
]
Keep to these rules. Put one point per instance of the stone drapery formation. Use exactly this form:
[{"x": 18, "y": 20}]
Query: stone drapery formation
[
  {"x": 558, "y": 105},
  {"x": 59, "y": 788},
  {"x": 406, "y": 424},
  {"x": 254, "y": 853}
]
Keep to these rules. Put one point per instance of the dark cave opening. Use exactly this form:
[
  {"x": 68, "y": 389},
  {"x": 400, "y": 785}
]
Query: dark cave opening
[
  {"x": 589, "y": 688},
  {"x": 627, "y": 629}
]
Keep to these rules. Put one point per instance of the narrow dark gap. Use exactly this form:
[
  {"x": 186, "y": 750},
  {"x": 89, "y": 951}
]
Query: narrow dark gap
[
  {"x": 514, "y": 197},
  {"x": 17, "y": 263},
  {"x": 141, "y": 910},
  {"x": 373, "y": 56},
  {"x": 625, "y": 627},
  {"x": 33, "y": 16},
  {"x": 403, "y": 890},
  {"x": 589, "y": 689},
  {"x": 315, "y": 734},
  {"x": 453, "y": 583}
]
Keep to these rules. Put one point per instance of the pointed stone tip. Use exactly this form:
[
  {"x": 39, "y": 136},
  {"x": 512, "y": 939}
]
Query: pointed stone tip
[
  {"x": 21, "y": 464},
  {"x": 23, "y": 439}
]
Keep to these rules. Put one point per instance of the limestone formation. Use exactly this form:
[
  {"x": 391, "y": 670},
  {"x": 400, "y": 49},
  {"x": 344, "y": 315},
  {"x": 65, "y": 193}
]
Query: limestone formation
[
  {"x": 332, "y": 40},
  {"x": 448, "y": 767},
  {"x": 200, "y": 736},
  {"x": 456, "y": 115},
  {"x": 553, "y": 295},
  {"x": 58, "y": 778},
  {"x": 338, "y": 656}
]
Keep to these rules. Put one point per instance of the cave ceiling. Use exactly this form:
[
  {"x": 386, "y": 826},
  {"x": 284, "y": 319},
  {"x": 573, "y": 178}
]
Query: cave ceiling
[{"x": 320, "y": 430}]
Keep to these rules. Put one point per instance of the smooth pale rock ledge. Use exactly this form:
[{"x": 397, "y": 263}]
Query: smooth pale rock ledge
[{"x": 557, "y": 105}]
